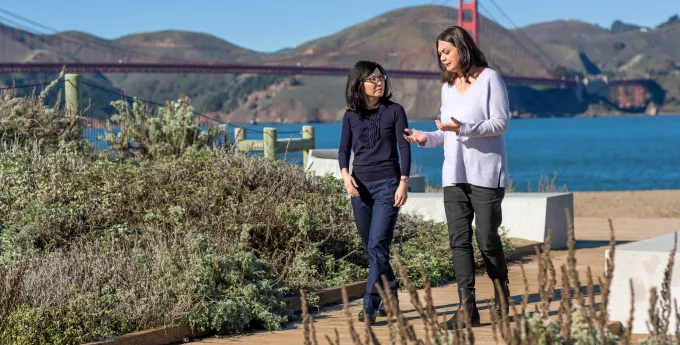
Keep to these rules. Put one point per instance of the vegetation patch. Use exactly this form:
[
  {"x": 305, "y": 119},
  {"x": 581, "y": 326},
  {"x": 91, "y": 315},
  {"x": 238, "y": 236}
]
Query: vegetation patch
[{"x": 166, "y": 228}]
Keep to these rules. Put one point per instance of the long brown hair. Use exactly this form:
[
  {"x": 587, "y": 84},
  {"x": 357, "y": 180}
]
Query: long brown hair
[{"x": 469, "y": 54}]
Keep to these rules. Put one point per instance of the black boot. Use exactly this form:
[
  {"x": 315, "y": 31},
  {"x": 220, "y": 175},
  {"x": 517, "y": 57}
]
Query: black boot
[
  {"x": 466, "y": 296},
  {"x": 497, "y": 301},
  {"x": 381, "y": 307},
  {"x": 368, "y": 312}
]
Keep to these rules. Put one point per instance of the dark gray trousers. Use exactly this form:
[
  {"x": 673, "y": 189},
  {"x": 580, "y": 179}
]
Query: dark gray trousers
[{"x": 462, "y": 202}]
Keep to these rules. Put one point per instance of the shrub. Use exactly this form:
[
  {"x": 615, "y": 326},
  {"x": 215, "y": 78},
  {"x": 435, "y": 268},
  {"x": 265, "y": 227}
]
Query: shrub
[
  {"x": 95, "y": 290},
  {"x": 172, "y": 131},
  {"x": 27, "y": 121}
]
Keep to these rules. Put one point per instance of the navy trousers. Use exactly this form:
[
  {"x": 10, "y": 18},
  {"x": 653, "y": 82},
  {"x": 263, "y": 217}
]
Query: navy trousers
[{"x": 375, "y": 217}]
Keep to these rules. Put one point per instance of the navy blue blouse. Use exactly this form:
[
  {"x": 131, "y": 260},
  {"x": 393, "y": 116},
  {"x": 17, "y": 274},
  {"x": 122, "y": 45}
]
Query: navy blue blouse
[{"x": 374, "y": 136}]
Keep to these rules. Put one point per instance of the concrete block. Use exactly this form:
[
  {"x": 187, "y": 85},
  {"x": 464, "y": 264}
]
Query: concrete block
[
  {"x": 645, "y": 263},
  {"x": 525, "y": 215},
  {"x": 325, "y": 161}
]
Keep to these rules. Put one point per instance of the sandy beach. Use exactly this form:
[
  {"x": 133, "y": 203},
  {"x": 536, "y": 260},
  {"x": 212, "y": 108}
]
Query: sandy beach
[{"x": 628, "y": 204}]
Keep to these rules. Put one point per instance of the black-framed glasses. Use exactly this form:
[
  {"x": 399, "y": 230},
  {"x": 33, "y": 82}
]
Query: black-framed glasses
[{"x": 375, "y": 79}]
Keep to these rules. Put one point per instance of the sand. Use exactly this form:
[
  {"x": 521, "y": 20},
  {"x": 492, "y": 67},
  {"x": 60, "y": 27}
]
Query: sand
[{"x": 630, "y": 204}]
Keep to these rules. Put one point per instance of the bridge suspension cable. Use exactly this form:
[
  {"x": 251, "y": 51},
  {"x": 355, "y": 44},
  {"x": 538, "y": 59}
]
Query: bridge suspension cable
[
  {"x": 25, "y": 86},
  {"x": 493, "y": 2},
  {"x": 94, "y": 85}
]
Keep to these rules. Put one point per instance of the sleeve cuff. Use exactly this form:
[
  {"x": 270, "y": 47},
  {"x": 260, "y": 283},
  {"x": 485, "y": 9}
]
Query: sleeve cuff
[
  {"x": 464, "y": 130},
  {"x": 427, "y": 140}
]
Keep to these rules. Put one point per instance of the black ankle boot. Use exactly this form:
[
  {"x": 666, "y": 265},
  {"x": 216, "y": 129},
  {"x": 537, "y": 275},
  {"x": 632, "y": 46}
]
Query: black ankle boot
[
  {"x": 497, "y": 301},
  {"x": 368, "y": 312},
  {"x": 381, "y": 307},
  {"x": 466, "y": 296}
]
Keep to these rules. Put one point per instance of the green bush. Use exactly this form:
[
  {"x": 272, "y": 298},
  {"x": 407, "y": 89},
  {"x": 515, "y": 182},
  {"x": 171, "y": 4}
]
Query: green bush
[
  {"x": 143, "y": 135},
  {"x": 108, "y": 287},
  {"x": 27, "y": 121}
]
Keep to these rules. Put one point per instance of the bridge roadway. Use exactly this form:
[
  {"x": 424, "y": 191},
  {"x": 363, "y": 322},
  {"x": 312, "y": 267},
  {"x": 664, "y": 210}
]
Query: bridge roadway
[{"x": 217, "y": 68}]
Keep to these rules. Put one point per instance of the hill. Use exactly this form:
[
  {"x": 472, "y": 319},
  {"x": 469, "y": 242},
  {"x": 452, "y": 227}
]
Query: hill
[{"x": 623, "y": 50}]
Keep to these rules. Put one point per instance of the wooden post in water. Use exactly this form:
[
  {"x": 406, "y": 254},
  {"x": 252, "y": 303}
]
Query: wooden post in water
[
  {"x": 270, "y": 143},
  {"x": 307, "y": 133},
  {"x": 72, "y": 93}
]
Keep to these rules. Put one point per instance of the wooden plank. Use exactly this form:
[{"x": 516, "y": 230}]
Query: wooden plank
[
  {"x": 249, "y": 145},
  {"x": 156, "y": 336},
  {"x": 293, "y": 145}
]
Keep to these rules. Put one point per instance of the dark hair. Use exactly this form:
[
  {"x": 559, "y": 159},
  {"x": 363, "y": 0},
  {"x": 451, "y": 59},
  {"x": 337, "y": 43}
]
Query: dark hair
[
  {"x": 355, "y": 96},
  {"x": 469, "y": 54}
]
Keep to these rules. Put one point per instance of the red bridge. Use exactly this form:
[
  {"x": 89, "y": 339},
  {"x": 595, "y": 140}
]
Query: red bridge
[
  {"x": 215, "y": 68},
  {"x": 78, "y": 55}
]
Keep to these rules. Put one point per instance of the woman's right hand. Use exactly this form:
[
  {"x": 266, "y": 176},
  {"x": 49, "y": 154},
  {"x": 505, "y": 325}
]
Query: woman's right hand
[
  {"x": 418, "y": 137},
  {"x": 350, "y": 184}
]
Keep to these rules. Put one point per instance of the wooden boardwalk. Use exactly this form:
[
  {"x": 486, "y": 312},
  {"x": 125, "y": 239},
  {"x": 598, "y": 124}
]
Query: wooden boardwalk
[{"x": 592, "y": 236}]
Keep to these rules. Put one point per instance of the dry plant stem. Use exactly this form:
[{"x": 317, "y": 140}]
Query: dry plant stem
[
  {"x": 658, "y": 323},
  {"x": 608, "y": 275},
  {"x": 11, "y": 281},
  {"x": 547, "y": 277},
  {"x": 677, "y": 317},
  {"x": 629, "y": 325},
  {"x": 408, "y": 330},
  {"x": 653, "y": 323},
  {"x": 571, "y": 261},
  {"x": 565, "y": 305},
  {"x": 492, "y": 316},
  {"x": 666, "y": 288},
  {"x": 305, "y": 318},
  {"x": 430, "y": 311},
  {"x": 350, "y": 323},
  {"x": 307, "y": 322},
  {"x": 589, "y": 312},
  {"x": 504, "y": 323},
  {"x": 337, "y": 338},
  {"x": 390, "y": 308}
]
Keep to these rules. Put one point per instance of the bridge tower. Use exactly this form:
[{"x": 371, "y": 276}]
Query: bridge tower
[{"x": 468, "y": 19}]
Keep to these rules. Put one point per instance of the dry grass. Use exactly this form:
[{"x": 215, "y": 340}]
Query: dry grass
[
  {"x": 581, "y": 319},
  {"x": 10, "y": 290}
]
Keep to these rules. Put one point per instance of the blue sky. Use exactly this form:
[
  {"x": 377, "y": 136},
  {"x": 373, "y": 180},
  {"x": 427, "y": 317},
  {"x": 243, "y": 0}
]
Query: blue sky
[{"x": 269, "y": 25}]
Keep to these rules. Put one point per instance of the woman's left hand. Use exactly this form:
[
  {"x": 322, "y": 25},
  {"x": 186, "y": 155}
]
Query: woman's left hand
[
  {"x": 401, "y": 195},
  {"x": 454, "y": 126}
]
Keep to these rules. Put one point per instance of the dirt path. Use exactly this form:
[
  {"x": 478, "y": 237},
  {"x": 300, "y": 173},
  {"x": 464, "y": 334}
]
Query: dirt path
[{"x": 634, "y": 204}]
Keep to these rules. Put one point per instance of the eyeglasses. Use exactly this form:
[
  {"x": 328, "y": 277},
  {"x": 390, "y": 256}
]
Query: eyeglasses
[{"x": 375, "y": 79}]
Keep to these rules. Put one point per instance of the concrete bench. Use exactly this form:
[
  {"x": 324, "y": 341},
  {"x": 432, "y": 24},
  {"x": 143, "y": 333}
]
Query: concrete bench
[
  {"x": 525, "y": 215},
  {"x": 323, "y": 161},
  {"x": 644, "y": 262}
]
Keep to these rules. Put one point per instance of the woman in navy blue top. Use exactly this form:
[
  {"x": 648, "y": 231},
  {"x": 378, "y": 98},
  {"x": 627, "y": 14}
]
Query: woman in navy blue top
[{"x": 372, "y": 128}]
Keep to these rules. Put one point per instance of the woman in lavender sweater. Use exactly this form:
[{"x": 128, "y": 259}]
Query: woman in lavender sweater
[{"x": 474, "y": 116}]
